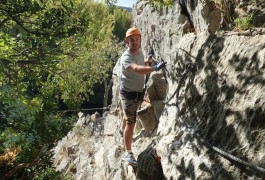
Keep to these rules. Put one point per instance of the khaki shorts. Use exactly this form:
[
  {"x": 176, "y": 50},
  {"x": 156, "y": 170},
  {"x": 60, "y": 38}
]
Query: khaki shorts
[{"x": 130, "y": 103}]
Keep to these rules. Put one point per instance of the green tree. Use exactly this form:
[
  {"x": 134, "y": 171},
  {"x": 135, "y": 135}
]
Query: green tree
[
  {"x": 50, "y": 51},
  {"x": 89, "y": 60},
  {"x": 56, "y": 47},
  {"x": 110, "y": 2},
  {"x": 122, "y": 23}
]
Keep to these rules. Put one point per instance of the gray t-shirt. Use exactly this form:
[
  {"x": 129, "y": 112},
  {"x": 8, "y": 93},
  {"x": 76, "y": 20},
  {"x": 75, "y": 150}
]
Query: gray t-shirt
[{"x": 131, "y": 81}]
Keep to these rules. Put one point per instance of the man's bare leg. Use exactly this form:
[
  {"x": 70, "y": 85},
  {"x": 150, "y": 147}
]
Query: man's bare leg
[
  {"x": 123, "y": 123},
  {"x": 128, "y": 136}
]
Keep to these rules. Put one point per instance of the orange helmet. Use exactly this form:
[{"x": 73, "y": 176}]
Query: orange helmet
[{"x": 132, "y": 31}]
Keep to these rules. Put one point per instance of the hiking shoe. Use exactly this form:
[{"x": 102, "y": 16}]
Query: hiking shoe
[{"x": 130, "y": 159}]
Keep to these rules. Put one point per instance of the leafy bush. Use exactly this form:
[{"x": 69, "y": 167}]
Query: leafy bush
[
  {"x": 122, "y": 23},
  {"x": 48, "y": 173},
  {"x": 52, "y": 53},
  {"x": 162, "y": 2},
  {"x": 27, "y": 135},
  {"x": 244, "y": 23}
]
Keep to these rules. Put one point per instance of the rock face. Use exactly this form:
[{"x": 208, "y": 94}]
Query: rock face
[{"x": 209, "y": 99}]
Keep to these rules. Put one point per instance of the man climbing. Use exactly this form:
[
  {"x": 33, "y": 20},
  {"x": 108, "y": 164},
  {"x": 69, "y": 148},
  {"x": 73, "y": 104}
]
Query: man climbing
[{"x": 133, "y": 69}]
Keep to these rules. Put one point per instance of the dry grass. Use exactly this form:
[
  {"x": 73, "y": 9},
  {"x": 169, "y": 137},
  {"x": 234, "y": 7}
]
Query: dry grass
[{"x": 9, "y": 155}]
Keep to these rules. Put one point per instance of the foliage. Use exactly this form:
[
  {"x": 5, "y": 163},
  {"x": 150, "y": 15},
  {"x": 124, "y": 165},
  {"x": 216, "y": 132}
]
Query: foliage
[
  {"x": 230, "y": 17},
  {"x": 122, "y": 23},
  {"x": 110, "y": 2},
  {"x": 226, "y": 8},
  {"x": 52, "y": 53},
  {"x": 48, "y": 173},
  {"x": 91, "y": 58},
  {"x": 28, "y": 133},
  {"x": 244, "y": 23},
  {"x": 162, "y": 2},
  {"x": 65, "y": 36}
]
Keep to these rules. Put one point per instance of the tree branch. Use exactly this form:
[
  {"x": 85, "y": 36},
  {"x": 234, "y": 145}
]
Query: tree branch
[
  {"x": 3, "y": 22},
  {"x": 24, "y": 165},
  {"x": 21, "y": 25}
]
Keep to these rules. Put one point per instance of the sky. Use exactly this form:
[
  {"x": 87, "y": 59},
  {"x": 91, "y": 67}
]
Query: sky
[{"x": 126, "y": 3}]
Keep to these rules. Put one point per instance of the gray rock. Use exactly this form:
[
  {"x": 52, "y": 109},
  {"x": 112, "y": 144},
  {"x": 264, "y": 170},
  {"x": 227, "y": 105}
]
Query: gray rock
[{"x": 222, "y": 99}]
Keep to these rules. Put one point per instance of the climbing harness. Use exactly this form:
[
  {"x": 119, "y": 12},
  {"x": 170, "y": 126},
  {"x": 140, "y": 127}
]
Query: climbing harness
[{"x": 197, "y": 136}]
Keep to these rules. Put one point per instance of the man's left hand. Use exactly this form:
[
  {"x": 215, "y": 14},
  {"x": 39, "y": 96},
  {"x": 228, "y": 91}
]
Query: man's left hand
[{"x": 160, "y": 66}]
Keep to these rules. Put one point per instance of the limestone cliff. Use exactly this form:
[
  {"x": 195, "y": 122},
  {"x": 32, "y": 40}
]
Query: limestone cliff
[{"x": 203, "y": 116}]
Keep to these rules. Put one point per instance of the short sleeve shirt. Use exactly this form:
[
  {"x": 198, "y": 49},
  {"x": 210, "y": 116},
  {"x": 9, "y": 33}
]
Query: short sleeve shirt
[{"x": 131, "y": 81}]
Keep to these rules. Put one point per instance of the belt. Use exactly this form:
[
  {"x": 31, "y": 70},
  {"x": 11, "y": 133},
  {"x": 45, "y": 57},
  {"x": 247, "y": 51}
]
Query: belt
[{"x": 132, "y": 95}]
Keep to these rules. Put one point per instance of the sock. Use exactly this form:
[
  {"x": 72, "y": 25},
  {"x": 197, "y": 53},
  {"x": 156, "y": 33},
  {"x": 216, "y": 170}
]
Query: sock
[{"x": 128, "y": 151}]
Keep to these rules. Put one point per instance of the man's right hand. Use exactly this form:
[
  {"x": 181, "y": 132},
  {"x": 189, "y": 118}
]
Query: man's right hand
[{"x": 160, "y": 66}]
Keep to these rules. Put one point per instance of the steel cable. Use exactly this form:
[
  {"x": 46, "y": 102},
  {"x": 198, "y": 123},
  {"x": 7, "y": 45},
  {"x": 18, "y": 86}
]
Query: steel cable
[{"x": 203, "y": 141}]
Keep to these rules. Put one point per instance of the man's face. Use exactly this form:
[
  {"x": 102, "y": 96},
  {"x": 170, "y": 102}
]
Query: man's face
[{"x": 134, "y": 42}]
